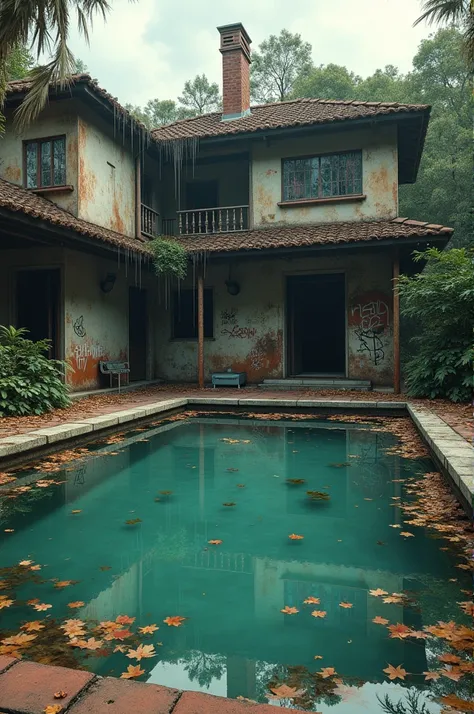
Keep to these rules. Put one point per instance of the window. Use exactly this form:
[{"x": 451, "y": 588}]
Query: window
[
  {"x": 324, "y": 176},
  {"x": 185, "y": 314},
  {"x": 45, "y": 162}
]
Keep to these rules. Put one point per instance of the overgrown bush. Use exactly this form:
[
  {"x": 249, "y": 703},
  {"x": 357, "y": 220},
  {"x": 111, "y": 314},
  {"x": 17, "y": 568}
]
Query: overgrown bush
[
  {"x": 169, "y": 257},
  {"x": 30, "y": 383},
  {"x": 441, "y": 300}
]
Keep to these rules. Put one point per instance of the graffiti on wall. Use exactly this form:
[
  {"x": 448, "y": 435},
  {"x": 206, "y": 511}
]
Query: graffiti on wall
[
  {"x": 243, "y": 333},
  {"x": 78, "y": 326},
  {"x": 84, "y": 352},
  {"x": 370, "y": 315},
  {"x": 228, "y": 317}
]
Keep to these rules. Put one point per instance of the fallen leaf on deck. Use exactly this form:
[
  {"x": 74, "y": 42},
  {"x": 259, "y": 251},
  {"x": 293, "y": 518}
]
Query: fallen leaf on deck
[
  {"x": 319, "y": 613},
  {"x": 132, "y": 671},
  {"x": 395, "y": 672},
  {"x": 216, "y": 541},
  {"x": 148, "y": 629},
  {"x": 380, "y": 620},
  {"x": 175, "y": 621},
  {"x": 327, "y": 672},
  {"x": 312, "y": 601},
  {"x": 142, "y": 652},
  {"x": 61, "y": 694},
  {"x": 287, "y": 610},
  {"x": 294, "y": 536},
  {"x": 346, "y": 605},
  {"x": 378, "y": 592},
  {"x": 53, "y": 709}
]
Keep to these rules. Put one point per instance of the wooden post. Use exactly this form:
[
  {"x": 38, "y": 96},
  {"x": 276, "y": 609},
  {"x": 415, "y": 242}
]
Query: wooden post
[
  {"x": 200, "y": 296},
  {"x": 396, "y": 325},
  {"x": 138, "y": 198}
]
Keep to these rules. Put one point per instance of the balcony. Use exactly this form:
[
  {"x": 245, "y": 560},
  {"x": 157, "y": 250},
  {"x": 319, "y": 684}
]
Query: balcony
[
  {"x": 227, "y": 219},
  {"x": 150, "y": 221}
]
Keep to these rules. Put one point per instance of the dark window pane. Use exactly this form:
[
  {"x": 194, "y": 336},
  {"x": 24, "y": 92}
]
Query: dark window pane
[
  {"x": 31, "y": 164},
  {"x": 185, "y": 314},
  {"x": 326, "y": 176},
  {"x": 322, "y": 177},
  {"x": 59, "y": 154},
  {"x": 46, "y": 163}
]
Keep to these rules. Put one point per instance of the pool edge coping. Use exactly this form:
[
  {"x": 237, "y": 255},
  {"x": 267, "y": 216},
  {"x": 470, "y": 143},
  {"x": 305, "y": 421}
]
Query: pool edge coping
[{"x": 453, "y": 453}]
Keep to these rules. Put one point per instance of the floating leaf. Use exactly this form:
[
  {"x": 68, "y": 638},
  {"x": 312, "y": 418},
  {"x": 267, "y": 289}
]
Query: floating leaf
[
  {"x": 346, "y": 605},
  {"x": 73, "y": 628},
  {"x": 287, "y": 610},
  {"x": 41, "y": 607},
  {"x": 20, "y": 640},
  {"x": 33, "y": 626},
  {"x": 406, "y": 534},
  {"x": 125, "y": 620},
  {"x": 77, "y": 510},
  {"x": 380, "y": 620},
  {"x": 392, "y": 599},
  {"x": 105, "y": 567},
  {"x": 133, "y": 521},
  {"x": 148, "y": 629},
  {"x": 216, "y": 541},
  {"x": 240, "y": 485},
  {"x": 132, "y": 671},
  {"x": 312, "y": 601},
  {"x": 64, "y": 583},
  {"x": 25, "y": 563},
  {"x": 319, "y": 613},
  {"x": 378, "y": 592},
  {"x": 229, "y": 503},
  {"x": 285, "y": 692},
  {"x": 454, "y": 673},
  {"x": 231, "y": 470},
  {"x": 142, "y": 652},
  {"x": 327, "y": 672},
  {"x": 165, "y": 493},
  {"x": 5, "y": 602},
  {"x": 90, "y": 644},
  {"x": 175, "y": 621},
  {"x": 449, "y": 658},
  {"x": 395, "y": 672},
  {"x": 399, "y": 631},
  {"x": 467, "y": 606},
  {"x": 318, "y": 657},
  {"x": 77, "y": 603},
  {"x": 395, "y": 525},
  {"x": 431, "y": 675},
  {"x": 318, "y": 495},
  {"x": 9, "y": 530},
  {"x": 295, "y": 481},
  {"x": 294, "y": 536},
  {"x": 341, "y": 465}
]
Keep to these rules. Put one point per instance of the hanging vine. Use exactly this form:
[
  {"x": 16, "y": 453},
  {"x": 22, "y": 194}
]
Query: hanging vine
[{"x": 169, "y": 257}]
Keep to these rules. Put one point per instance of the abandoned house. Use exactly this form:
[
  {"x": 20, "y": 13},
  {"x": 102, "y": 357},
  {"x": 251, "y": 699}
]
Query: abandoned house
[{"x": 288, "y": 212}]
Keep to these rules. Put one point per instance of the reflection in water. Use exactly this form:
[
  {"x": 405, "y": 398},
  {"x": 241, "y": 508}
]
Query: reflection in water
[{"x": 236, "y": 641}]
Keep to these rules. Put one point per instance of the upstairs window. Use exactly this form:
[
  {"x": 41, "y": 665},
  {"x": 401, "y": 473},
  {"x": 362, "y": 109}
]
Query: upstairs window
[
  {"x": 45, "y": 162},
  {"x": 324, "y": 176},
  {"x": 185, "y": 314}
]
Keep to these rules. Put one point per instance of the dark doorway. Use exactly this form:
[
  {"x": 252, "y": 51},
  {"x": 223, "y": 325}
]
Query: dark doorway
[
  {"x": 137, "y": 333},
  {"x": 317, "y": 324},
  {"x": 38, "y": 306}
]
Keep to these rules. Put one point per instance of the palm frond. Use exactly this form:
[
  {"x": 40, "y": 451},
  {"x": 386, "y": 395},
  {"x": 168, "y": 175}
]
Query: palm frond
[{"x": 439, "y": 11}]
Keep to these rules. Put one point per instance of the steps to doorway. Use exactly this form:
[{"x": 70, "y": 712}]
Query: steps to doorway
[{"x": 316, "y": 383}]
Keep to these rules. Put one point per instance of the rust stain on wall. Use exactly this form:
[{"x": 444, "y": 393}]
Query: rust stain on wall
[
  {"x": 13, "y": 174},
  {"x": 117, "y": 222},
  {"x": 263, "y": 360}
]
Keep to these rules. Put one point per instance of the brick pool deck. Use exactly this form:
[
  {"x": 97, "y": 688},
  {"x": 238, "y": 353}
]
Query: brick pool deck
[{"x": 28, "y": 688}]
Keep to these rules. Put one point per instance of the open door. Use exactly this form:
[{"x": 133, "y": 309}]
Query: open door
[
  {"x": 316, "y": 320},
  {"x": 38, "y": 306},
  {"x": 137, "y": 333}
]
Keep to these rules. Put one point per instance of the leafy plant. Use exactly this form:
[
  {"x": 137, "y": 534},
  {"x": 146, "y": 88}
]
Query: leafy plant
[
  {"x": 169, "y": 257},
  {"x": 441, "y": 299},
  {"x": 30, "y": 383}
]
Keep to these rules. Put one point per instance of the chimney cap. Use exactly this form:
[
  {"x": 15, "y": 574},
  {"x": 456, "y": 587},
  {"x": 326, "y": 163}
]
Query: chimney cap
[{"x": 234, "y": 26}]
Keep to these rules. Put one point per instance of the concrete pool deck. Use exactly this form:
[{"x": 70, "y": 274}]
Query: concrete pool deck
[{"x": 449, "y": 446}]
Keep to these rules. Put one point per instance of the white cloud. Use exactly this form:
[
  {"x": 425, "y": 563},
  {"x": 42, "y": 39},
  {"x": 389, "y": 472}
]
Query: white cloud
[{"x": 148, "y": 49}]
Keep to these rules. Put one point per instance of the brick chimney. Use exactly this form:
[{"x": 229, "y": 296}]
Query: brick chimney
[{"x": 235, "y": 49}]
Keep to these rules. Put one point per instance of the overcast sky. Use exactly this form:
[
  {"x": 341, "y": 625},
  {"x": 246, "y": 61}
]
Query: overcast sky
[{"x": 149, "y": 48}]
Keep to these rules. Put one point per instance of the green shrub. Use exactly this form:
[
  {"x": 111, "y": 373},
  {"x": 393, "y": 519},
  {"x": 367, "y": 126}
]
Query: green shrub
[
  {"x": 169, "y": 257},
  {"x": 441, "y": 300},
  {"x": 30, "y": 383}
]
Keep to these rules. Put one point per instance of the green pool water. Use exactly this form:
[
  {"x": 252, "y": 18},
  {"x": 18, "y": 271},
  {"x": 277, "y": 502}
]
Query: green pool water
[{"x": 235, "y": 640}]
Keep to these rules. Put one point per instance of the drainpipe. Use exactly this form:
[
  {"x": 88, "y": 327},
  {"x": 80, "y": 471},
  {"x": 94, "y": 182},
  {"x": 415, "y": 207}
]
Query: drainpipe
[
  {"x": 396, "y": 324},
  {"x": 200, "y": 296},
  {"x": 138, "y": 198}
]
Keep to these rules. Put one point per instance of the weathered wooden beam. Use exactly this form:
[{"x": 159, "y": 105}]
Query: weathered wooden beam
[
  {"x": 138, "y": 198},
  {"x": 396, "y": 324},
  {"x": 200, "y": 290}
]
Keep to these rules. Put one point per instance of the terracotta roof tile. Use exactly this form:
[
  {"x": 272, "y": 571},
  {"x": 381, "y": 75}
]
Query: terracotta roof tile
[
  {"x": 17, "y": 199},
  {"x": 298, "y": 112},
  {"x": 312, "y": 235}
]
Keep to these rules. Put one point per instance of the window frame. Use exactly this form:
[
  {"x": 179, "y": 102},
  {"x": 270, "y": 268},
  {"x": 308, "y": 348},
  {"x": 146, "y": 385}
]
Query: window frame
[
  {"x": 321, "y": 199},
  {"x": 39, "y": 141},
  {"x": 176, "y": 338}
]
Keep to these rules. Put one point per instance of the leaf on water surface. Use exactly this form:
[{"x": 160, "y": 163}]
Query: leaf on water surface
[
  {"x": 240, "y": 485},
  {"x": 454, "y": 673},
  {"x": 90, "y": 644},
  {"x": 165, "y": 493},
  {"x": 77, "y": 603},
  {"x": 60, "y": 694},
  {"x": 142, "y": 652},
  {"x": 312, "y": 601},
  {"x": 105, "y": 567},
  {"x": 174, "y": 621},
  {"x": 380, "y": 620},
  {"x": 380, "y": 542},
  {"x": 467, "y": 606},
  {"x": 318, "y": 657},
  {"x": 450, "y": 658},
  {"x": 132, "y": 671},
  {"x": 431, "y": 675},
  {"x": 395, "y": 672},
  {"x": 378, "y": 592},
  {"x": 53, "y": 709},
  {"x": 319, "y": 613},
  {"x": 3, "y": 586},
  {"x": 341, "y": 465},
  {"x": 406, "y": 534},
  {"x": 395, "y": 525},
  {"x": 35, "y": 567},
  {"x": 42, "y": 606},
  {"x": 77, "y": 510},
  {"x": 392, "y": 599},
  {"x": 283, "y": 691},
  {"x": 287, "y": 610},
  {"x": 5, "y": 602},
  {"x": 73, "y": 628},
  {"x": 25, "y": 563},
  {"x": 462, "y": 705},
  {"x": 64, "y": 583},
  {"x": 326, "y": 672},
  {"x": 119, "y": 635},
  {"x": 399, "y": 631},
  {"x": 318, "y": 495},
  {"x": 229, "y": 503},
  {"x": 125, "y": 620},
  {"x": 216, "y": 541},
  {"x": 295, "y": 536},
  {"x": 295, "y": 481},
  {"x": 33, "y": 626},
  {"x": 20, "y": 640},
  {"x": 346, "y": 605},
  {"x": 148, "y": 629},
  {"x": 9, "y": 530},
  {"x": 133, "y": 521},
  {"x": 120, "y": 648},
  {"x": 231, "y": 470}
]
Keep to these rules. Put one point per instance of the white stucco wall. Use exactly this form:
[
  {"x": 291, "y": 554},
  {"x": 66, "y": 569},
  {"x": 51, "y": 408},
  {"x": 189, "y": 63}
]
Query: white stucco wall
[
  {"x": 106, "y": 181},
  {"x": 56, "y": 119},
  {"x": 379, "y": 177},
  {"x": 250, "y": 328}
]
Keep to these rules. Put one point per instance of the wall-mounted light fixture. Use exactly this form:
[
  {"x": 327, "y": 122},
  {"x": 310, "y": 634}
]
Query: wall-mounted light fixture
[{"x": 108, "y": 283}]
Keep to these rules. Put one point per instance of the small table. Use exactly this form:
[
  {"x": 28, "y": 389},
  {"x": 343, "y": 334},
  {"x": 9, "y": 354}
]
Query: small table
[{"x": 229, "y": 379}]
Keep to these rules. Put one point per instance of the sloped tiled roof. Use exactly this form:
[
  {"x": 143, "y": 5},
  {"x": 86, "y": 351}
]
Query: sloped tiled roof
[
  {"x": 17, "y": 199},
  {"x": 298, "y": 112},
  {"x": 323, "y": 234}
]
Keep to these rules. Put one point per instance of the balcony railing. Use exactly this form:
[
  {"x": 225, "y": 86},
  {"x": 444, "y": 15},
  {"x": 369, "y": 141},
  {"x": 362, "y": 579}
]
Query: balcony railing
[
  {"x": 150, "y": 221},
  {"x": 228, "y": 219}
]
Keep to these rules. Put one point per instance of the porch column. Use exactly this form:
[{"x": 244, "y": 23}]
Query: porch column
[
  {"x": 396, "y": 324},
  {"x": 138, "y": 198},
  {"x": 200, "y": 296}
]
